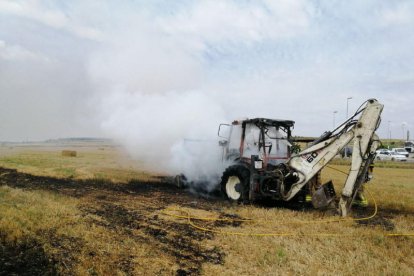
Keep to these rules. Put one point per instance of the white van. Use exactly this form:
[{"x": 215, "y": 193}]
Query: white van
[{"x": 409, "y": 146}]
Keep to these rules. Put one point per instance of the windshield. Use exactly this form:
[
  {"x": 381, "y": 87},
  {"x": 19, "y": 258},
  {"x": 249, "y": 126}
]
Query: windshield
[{"x": 273, "y": 145}]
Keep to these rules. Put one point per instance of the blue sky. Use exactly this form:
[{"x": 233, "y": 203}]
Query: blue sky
[{"x": 103, "y": 68}]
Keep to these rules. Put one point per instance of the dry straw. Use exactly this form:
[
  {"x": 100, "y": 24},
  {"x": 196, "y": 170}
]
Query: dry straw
[{"x": 70, "y": 153}]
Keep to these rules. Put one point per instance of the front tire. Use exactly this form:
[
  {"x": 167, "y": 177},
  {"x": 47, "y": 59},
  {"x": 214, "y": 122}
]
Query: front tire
[{"x": 235, "y": 183}]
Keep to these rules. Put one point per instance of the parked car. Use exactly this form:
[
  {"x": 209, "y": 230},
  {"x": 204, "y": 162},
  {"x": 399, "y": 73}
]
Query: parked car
[
  {"x": 395, "y": 156},
  {"x": 386, "y": 155},
  {"x": 346, "y": 152},
  {"x": 401, "y": 151},
  {"x": 383, "y": 154}
]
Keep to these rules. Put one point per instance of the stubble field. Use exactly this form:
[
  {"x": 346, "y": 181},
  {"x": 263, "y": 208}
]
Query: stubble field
[{"x": 102, "y": 213}]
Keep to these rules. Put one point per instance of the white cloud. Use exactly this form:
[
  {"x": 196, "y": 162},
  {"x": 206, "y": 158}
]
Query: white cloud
[
  {"x": 233, "y": 21},
  {"x": 35, "y": 10},
  {"x": 19, "y": 53},
  {"x": 401, "y": 14}
]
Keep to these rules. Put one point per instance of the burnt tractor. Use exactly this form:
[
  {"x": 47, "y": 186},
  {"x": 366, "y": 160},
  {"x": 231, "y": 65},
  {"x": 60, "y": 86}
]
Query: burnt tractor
[
  {"x": 257, "y": 151},
  {"x": 263, "y": 163}
]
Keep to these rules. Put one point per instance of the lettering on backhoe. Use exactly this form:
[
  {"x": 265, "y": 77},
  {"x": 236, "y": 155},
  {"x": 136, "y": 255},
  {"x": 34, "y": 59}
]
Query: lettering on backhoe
[{"x": 310, "y": 157}]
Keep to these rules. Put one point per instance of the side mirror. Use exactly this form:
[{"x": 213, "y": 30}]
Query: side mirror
[
  {"x": 223, "y": 143},
  {"x": 219, "y": 132}
]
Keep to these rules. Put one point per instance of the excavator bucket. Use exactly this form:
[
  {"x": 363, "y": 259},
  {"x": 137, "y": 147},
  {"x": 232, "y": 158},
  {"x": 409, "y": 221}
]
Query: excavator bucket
[{"x": 324, "y": 195}]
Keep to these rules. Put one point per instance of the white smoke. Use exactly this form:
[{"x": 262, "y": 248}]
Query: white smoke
[
  {"x": 157, "y": 93},
  {"x": 150, "y": 97}
]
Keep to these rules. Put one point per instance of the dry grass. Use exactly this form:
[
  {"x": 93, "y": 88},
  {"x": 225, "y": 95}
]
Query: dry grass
[
  {"x": 92, "y": 161},
  {"x": 73, "y": 230},
  {"x": 351, "y": 249},
  {"x": 68, "y": 236},
  {"x": 393, "y": 187}
]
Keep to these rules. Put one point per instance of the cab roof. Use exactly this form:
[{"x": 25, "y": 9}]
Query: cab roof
[{"x": 267, "y": 122}]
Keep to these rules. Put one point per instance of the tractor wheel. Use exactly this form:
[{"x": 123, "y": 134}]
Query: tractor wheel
[{"x": 235, "y": 183}]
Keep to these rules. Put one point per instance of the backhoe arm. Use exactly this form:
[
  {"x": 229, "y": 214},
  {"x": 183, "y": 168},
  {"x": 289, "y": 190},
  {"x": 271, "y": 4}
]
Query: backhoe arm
[{"x": 312, "y": 160}]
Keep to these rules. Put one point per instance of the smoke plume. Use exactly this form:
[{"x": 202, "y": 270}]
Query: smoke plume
[{"x": 150, "y": 95}]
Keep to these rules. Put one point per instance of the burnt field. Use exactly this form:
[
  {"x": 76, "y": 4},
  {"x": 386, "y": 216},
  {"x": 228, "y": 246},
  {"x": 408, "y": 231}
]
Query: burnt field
[
  {"x": 67, "y": 216},
  {"x": 109, "y": 205},
  {"x": 127, "y": 211}
]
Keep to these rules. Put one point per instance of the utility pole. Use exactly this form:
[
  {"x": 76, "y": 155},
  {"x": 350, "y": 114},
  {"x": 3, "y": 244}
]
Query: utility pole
[
  {"x": 347, "y": 103},
  {"x": 403, "y": 129},
  {"x": 333, "y": 125},
  {"x": 389, "y": 131},
  {"x": 389, "y": 134}
]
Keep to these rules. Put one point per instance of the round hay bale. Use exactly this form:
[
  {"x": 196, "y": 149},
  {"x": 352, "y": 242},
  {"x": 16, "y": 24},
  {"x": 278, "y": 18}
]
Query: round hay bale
[{"x": 70, "y": 153}]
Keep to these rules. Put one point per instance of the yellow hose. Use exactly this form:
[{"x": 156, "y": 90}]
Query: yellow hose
[{"x": 190, "y": 219}]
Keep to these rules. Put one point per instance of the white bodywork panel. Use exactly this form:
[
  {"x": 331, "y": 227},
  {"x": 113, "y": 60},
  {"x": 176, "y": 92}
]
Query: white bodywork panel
[{"x": 310, "y": 161}]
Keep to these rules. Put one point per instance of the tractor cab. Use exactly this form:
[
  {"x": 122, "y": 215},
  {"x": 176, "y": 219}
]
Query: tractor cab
[{"x": 267, "y": 138}]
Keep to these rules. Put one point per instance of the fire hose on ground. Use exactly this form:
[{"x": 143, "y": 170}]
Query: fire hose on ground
[{"x": 184, "y": 214}]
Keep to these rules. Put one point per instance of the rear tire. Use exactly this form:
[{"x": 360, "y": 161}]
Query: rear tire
[{"x": 235, "y": 183}]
